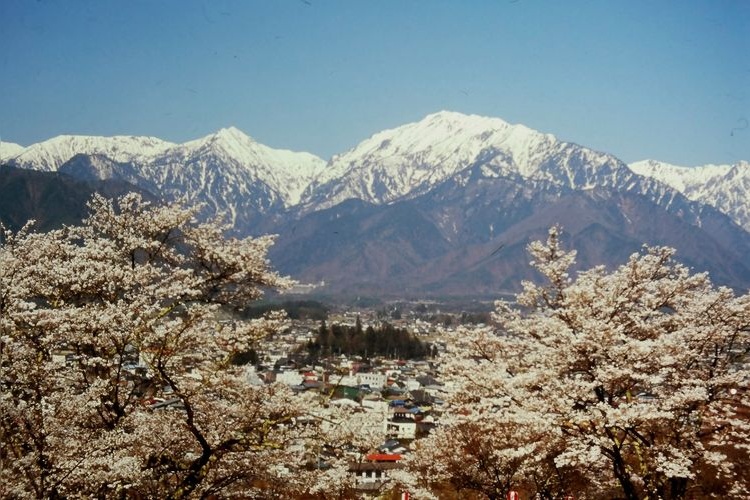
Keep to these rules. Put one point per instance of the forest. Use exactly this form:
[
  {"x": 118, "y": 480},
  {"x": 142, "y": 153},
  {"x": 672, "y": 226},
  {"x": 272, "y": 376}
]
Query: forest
[{"x": 385, "y": 340}]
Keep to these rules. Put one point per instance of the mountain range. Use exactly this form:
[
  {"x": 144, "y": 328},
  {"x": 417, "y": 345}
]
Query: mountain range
[
  {"x": 442, "y": 206},
  {"x": 725, "y": 187}
]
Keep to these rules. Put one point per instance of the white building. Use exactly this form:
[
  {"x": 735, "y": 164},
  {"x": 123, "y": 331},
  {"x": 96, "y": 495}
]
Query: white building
[
  {"x": 374, "y": 380},
  {"x": 289, "y": 377},
  {"x": 399, "y": 429}
]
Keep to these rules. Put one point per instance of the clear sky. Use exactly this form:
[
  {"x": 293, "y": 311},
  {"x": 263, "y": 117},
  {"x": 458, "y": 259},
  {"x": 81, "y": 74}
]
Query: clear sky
[{"x": 668, "y": 80}]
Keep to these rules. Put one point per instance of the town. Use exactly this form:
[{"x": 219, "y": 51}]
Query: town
[{"x": 403, "y": 393}]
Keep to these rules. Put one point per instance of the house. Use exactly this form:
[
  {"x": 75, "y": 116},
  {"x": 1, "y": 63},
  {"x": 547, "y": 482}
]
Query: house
[
  {"x": 420, "y": 397},
  {"x": 372, "y": 474},
  {"x": 391, "y": 446},
  {"x": 399, "y": 428},
  {"x": 383, "y": 457},
  {"x": 62, "y": 357},
  {"x": 374, "y": 380},
  {"x": 289, "y": 377},
  {"x": 252, "y": 377},
  {"x": 426, "y": 380},
  {"x": 169, "y": 404},
  {"x": 412, "y": 385}
]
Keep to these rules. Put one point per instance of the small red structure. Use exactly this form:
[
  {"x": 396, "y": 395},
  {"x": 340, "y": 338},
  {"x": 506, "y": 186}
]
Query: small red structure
[{"x": 383, "y": 457}]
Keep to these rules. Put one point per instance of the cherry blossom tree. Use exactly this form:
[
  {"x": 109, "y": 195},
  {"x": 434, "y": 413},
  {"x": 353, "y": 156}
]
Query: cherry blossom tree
[
  {"x": 116, "y": 377},
  {"x": 623, "y": 384}
]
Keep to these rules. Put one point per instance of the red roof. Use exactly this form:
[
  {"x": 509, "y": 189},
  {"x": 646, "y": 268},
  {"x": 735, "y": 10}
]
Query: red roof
[{"x": 383, "y": 457}]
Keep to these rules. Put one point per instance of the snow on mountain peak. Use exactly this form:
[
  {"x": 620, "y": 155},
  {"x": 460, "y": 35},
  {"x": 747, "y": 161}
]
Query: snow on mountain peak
[
  {"x": 231, "y": 130},
  {"x": 233, "y": 162},
  {"x": 453, "y": 120},
  {"x": 683, "y": 179},
  {"x": 50, "y": 154},
  {"x": 232, "y": 135},
  {"x": 9, "y": 149},
  {"x": 725, "y": 187},
  {"x": 231, "y": 171},
  {"x": 224, "y": 169},
  {"x": 412, "y": 158}
]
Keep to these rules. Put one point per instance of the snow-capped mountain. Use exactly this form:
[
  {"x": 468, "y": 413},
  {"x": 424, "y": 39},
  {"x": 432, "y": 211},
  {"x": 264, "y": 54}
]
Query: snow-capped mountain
[
  {"x": 724, "y": 187},
  {"x": 232, "y": 173},
  {"x": 235, "y": 155},
  {"x": 684, "y": 179},
  {"x": 427, "y": 206},
  {"x": 412, "y": 159},
  {"x": 9, "y": 150},
  {"x": 228, "y": 172},
  {"x": 49, "y": 155}
]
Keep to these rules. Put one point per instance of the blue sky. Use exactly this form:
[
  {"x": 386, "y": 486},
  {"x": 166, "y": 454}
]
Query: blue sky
[{"x": 668, "y": 80}]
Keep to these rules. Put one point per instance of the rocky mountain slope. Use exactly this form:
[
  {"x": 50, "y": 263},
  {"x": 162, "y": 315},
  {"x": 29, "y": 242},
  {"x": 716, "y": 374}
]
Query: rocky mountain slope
[
  {"x": 227, "y": 172},
  {"x": 442, "y": 206},
  {"x": 412, "y": 159},
  {"x": 49, "y": 155},
  {"x": 467, "y": 236},
  {"x": 51, "y": 199},
  {"x": 724, "y": 187}
]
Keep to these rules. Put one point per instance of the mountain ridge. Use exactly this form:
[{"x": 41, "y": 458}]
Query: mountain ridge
[
  {"x": 724, "y": 187},
  {"x": 9, "y": 150},
  {"x": 444, "y": 205},
  {"x": 390, "y": 165},
  {"x": 233, "y": 176}
]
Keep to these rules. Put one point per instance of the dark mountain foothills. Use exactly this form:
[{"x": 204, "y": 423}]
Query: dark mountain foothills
[
  {"x": 465, "y": 237},
  {"x": 212, "y": 190},
  {"x": 470, "y": 240},
  {"x": 52, "y": 199}
]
